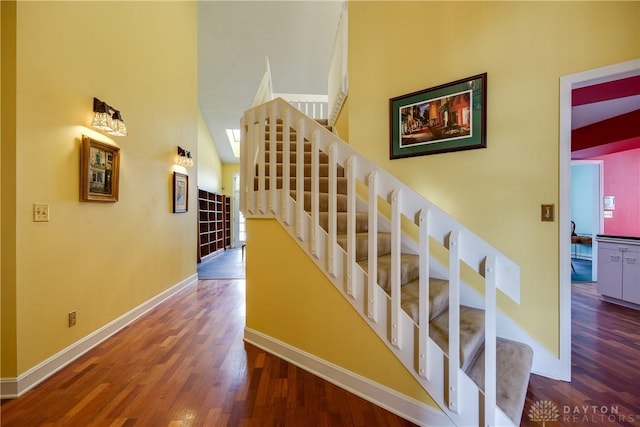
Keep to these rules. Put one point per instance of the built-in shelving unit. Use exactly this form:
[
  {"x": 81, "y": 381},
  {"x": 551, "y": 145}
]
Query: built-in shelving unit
[{"x": 214, "y": 224}]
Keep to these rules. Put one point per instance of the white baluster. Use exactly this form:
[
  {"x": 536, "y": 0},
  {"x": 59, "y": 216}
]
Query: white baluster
[
  {"x": 315, "y": 193},
  {"x": 423, "y": 322},
  {"x": 273, "y": 172},
  {"x": 396, "y": 276},
  {"x": 350, "y": 169},
  {"x": 299, "y": 179},
  {"x": 261, "y": 136},
  {"x": 250, "y": 165},
  {"x": 333, "y": 215},
  {"x": 373, "y": 246},
  {"x": 490, "y": 341},
  {"x": 244, "y": 173},
  {"x": 286, "y": 166},
  {"x": 454, "y": 319}
]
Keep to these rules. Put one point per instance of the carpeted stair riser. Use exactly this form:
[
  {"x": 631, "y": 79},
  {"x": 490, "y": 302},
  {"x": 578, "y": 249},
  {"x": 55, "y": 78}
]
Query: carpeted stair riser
[
  {"x": 323, "y": 187},
  {"x": 323, "y": 158},
  {"x": 513, "y": 359},
  {"x": 409, "y": 270},
  {"x": 362, "y": 244},
  {"x": 362, "y": 222},
  {"x": 323, "y": 199},
  {"x": 323, "y": 170},
  {"x": 293, "y": 146},
  {"x": 471, "y": 333},
  {"x": 438, "y": 298}
]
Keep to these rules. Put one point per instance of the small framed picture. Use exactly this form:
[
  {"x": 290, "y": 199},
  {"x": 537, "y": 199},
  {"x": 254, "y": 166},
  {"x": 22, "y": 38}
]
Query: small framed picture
[
  {"x": 99, "y": 171},
  {"x": 441, "y": 119},
  {"x": 180, "y": 192}
]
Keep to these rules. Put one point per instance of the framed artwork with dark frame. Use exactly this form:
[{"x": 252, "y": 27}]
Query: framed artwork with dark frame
[
  {"x": 99, "y": 171},
  {"x": 441, "y": 119},
  {"x": 180, "y": 192}
]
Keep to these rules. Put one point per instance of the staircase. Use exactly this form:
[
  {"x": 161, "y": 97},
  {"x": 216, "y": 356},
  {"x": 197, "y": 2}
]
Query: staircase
[{"x": 348, "y": 215}]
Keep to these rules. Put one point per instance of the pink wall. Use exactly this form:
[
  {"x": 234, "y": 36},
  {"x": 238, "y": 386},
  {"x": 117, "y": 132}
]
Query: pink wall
[{"x": 622, "y": 180}]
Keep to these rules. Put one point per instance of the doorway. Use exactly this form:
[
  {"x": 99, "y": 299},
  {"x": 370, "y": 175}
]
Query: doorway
[
  {"x": 586, "y": 215},
  {"x": 567, "y": 85},
  {"x": 239, "y": 223}
]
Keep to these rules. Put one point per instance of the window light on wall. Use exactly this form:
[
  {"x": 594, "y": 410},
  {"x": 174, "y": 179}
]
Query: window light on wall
[{"x": 234, "y": 140}]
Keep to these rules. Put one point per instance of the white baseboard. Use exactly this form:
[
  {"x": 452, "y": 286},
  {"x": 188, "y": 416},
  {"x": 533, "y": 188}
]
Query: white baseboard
[
  {"x": 404, "y": 406},
  {"x": 11, "y": 388}
]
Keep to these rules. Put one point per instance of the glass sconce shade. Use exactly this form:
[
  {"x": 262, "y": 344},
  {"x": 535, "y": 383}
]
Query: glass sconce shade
[{"x": 107, "y": 119}]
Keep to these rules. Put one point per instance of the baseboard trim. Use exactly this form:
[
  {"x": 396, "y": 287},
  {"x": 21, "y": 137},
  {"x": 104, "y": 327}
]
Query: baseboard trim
[
  {"x": 11, "y": 388},
  {"x": 404, "y": 406}
]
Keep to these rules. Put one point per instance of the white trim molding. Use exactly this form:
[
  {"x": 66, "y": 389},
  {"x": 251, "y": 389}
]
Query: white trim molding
[
  {"x": 567, "y": 84},
  {"x": 404, "y": 406},
  {"x": 11, "y": 388}
]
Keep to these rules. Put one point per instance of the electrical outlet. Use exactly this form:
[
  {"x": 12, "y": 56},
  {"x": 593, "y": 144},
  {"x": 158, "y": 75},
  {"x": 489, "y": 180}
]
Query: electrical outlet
[
  {"x": 40, "y": 212},
  {"x": 72, "y": 318}
]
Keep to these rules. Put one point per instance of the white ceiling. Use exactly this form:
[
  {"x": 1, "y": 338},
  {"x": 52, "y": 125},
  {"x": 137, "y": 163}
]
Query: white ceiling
[{"x": 234, "y": 37}]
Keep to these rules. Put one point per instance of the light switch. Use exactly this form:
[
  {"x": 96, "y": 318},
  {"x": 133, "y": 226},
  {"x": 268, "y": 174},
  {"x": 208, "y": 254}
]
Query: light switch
[
  {"x": 547, "y": 214},
  {"x": 40, "y": 212}
]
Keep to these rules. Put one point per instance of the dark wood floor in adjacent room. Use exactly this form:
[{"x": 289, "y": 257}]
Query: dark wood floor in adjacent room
[
  {"x": 605, "y": 380},
  {"x": 185, "y": 364}
]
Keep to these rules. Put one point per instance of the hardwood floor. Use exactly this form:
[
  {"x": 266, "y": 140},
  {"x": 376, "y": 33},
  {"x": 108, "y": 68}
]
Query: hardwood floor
[
  {"x": 605, "y": 383},
  {"x": 185, "y": 364}
]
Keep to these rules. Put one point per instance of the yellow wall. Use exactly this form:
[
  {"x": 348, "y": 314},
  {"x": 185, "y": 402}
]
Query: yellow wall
[
  {"x": 8, "y": 360},
  {"x": 525, "y": 47},
  {"x": 209, "y": 164},
  {"x": 228, "y": 171},
  {"x": 291, "y": 300},
  {"x": 101, "y": 260}
]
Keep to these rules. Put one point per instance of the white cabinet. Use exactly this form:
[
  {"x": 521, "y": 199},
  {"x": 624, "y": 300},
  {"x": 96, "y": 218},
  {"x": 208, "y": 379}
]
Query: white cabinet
[{"x": 619, "y": 269}]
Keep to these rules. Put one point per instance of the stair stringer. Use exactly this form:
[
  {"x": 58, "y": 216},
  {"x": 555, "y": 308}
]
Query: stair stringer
[{"x": 435, "y": 381}]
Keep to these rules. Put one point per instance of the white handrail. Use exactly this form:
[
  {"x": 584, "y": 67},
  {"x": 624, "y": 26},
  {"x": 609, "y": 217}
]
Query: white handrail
[
  {"x": 500, "y": 272},
  {"x": 265, "y": 89}
]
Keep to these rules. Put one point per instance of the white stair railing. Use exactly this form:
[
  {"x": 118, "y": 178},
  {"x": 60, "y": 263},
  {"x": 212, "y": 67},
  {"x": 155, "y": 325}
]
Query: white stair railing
[
  {"x": 452, "y": 389},
  {"x": 314, "y": 106}
]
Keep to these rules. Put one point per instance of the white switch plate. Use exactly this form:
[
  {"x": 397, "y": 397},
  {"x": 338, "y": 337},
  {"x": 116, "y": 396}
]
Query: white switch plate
[{"x": 40, "y": 212}]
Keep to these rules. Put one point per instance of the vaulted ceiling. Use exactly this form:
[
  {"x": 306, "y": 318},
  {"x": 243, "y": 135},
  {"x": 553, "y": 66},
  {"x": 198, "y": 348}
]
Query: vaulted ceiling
[{"x": 234, "y": 37}]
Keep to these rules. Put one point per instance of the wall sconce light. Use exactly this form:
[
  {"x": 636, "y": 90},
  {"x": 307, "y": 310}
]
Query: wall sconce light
[
  {"x": 184, "y": 157},
  {"x": 107, "y": 119}
]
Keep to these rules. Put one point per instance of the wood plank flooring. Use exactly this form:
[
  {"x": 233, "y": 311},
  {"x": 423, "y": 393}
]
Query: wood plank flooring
[
  {"x": 605, "y": 383},
  {"x": 185, "y": 364}
]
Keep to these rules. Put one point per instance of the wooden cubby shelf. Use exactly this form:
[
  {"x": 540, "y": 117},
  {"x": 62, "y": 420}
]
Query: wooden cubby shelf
[{"x": 214, "y": 224}]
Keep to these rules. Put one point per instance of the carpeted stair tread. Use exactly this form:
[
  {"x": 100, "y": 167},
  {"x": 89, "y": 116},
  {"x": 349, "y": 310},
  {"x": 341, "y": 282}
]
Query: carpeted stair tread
[
  {"x": 323, "y": 198},
  {"x": 438, "y": 298},
  {"x": 323, "y": 184},
  {"x": 293, "y": 145},
  {"x": 409, "y": 270},
  {"x": 362, "y": 222},
  {"x": 513, "y": 365},
  {"x": 323, "y": 170},
  {"x": 323, "y": 158},
  {"x": 362, "y": 244},
  {"x": 471, "y": 333}
]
